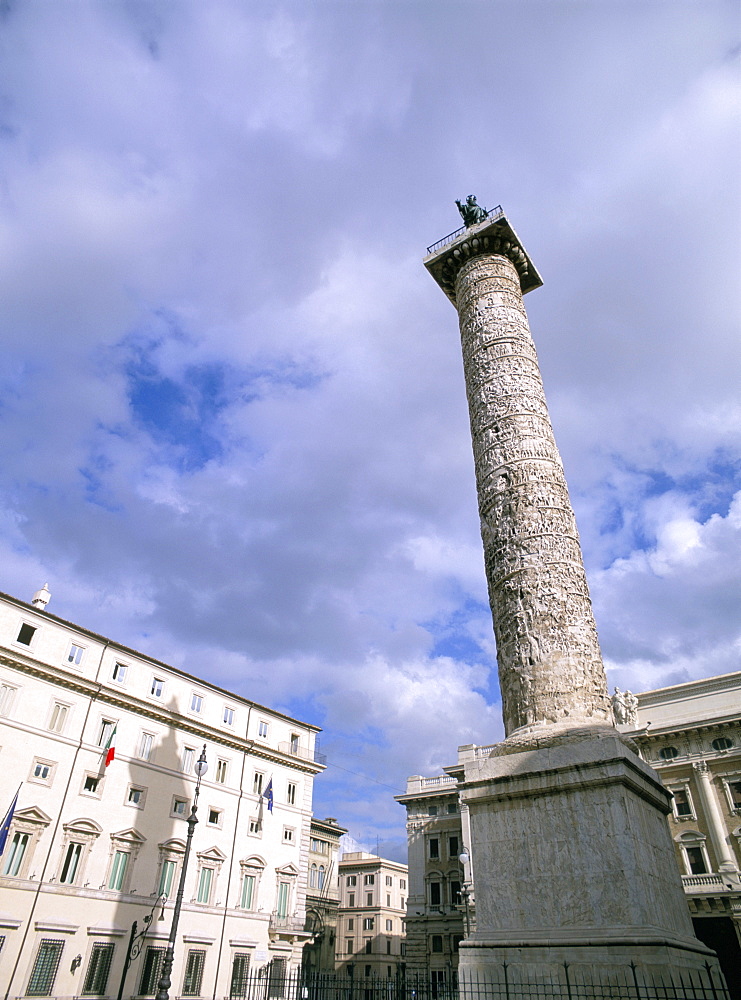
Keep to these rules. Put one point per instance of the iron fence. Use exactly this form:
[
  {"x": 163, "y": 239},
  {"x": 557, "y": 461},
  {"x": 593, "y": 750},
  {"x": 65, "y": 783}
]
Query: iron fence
[{"x": 503, "y": 982}]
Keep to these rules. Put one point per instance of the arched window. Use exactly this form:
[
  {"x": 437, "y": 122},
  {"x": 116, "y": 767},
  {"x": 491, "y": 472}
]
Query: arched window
[
  {"x": 668, "y": 753},
  {"x": 312, "y": 877},
  {"x": 695, "y": 856},
  {"x": 321, "y": 877},
  {"x": 722, "y": 743}
]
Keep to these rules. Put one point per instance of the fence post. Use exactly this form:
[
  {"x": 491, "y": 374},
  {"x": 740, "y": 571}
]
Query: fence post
[
  {"x": 568, "y": 982},
  {"x": 506, "y": 981}
]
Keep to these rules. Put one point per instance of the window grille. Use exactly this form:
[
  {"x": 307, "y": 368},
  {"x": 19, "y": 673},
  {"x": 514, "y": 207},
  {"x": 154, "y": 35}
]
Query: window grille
[
  {"x": 193, "y": 973},
  {"x": 45, "y": 968},
  {"x": 96, "y": 977},
  {"x": 151, "y": 971}
]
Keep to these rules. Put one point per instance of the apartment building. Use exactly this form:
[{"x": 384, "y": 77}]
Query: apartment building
[
  {"x": 323, "y": 894},
  {"x": 691, "y": 735},
  {"x": 370, "y": 925},
  {"x": 93, "y": 848}
]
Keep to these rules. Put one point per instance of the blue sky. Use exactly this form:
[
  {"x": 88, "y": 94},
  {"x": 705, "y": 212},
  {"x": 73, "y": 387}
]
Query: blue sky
[{"x": 233, "y": 429}]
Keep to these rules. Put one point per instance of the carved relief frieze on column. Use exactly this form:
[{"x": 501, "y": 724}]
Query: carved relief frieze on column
[{"x": 550, "y": 666}]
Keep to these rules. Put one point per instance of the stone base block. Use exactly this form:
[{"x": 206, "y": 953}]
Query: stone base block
[{"x": 573, "y": 860}]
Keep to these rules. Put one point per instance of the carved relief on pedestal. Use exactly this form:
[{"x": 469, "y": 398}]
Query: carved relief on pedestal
[{"x": 550, "y": 665}]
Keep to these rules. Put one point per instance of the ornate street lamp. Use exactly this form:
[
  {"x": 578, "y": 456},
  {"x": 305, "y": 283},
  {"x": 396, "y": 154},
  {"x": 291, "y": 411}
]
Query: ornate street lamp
[
  {"x": 464, "y": 857},
  {"x": 163, "y": 987},
  {"x": 136, "y": 941}
]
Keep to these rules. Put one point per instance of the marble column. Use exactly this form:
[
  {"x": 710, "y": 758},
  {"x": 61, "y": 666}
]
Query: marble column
[
  {"x": 713, "y": 818},
  {"x": 572, "y": 854}
]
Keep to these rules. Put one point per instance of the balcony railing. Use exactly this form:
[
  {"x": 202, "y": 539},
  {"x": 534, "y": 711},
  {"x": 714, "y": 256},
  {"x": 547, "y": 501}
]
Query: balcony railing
[
  {"x": 303, "y": 752},
  {"x": 491, "y": 215},
  {"x": 703, "y": 883}
]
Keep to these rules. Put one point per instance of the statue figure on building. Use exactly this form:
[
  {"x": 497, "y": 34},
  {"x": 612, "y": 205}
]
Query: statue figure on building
[
  {"x": 619, "y": 707},
  {"x": 471, "y": 212},
  {"x": 631, "y": 708}
]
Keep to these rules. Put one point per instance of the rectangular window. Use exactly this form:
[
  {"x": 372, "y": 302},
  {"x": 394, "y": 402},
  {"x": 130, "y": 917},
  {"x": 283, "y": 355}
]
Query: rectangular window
[
  {"x": 7, "y": 693},
  {"x": 435, "y": 894},
  {"x": 696, "y": 861},
  {"x": 248, "y": 892},
  {"x": 388, "y": 900},
  {"x": 452, "y": 807},
  {"x": 99, "y": 966},
  {"x": 283, "y": 891},
  {"x": 193, "y": 973},
  {"x": 75, "y": 654},
  {"x": 104, "y": 733},
  {"x": 682, "y": 805},
  {"x": 58, "y": 717},
  {"x": 71, "y": 864},
  {"x": 455, "y": 893},
  {"x": 255, "y": 827},
  {"x": 189, "y": 758},
  {"x": 369, "y": 899},
  {"x": 119, "y": 673},
  {"x": 735, "y": 790},
  {"x": 348, "y": 946},
  {"x": 146, "y": 742},
  {"x": 257, "y": 783},
  {"x": 42, "y": 771},
  {"x": 402, "y": 883},
  {"x": 388, "y": 946},
  {"x": 228, "y": 716},
  {"x": 294, "y": 743},
  {"x": 158, "y": 686},
  {"x": 369, "y": 880},
  {"x": 240, "y": 975},
  {"x": 214, "y": 817},
  {"x": 179, "y": 807},
  {"x": 136, "y": 796},
  {"x": 351, "y": 899},
  {"x": 152, "y": 971},
  {"x": 352, "y": 879},
  {"x": 367, "y": 923},
  {"x": 196, "y": 703},
  {"x": 45, "y": 968},
  {"x": 287, "y": 835},
  {"x": 291, "y": 793},
  {"x": 17, "y": 852},
  {"x": 432, "y": 810},
  {"x": 351, "y": 924},
  {"x": 262, "y": 729},
  {"x": 277, "y": 979},
  {"x": 434, "y": 848},
  {"x": 389, "y": 880},
  {"x": 221, "y": 769},
  {"x": 91, "y": 784},
  {"x": 437, "y": 942},
  {"x": 389, "y": 925},
  {"x": 26, "y": 634},
  {"x": 118, "y": 870},
  {"x": 452, "y": 847},
  {"x": 167, "y": 875},
  {"x": 368, "y": 945},
  {"x": 204, "y": 885}
]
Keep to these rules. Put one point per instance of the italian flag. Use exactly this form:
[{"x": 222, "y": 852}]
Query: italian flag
[{"x": 110, "y": 747}]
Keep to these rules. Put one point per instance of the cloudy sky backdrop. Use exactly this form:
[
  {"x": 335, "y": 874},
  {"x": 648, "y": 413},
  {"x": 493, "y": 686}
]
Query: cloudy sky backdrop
[{"x": 233, "y": 429}]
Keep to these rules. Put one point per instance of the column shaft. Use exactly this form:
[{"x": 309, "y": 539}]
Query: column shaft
[{"x": 550, "y": 666}]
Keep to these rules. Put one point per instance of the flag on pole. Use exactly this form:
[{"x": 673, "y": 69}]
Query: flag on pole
[
  {"x": 5, "y": 828},
  {"x": 110, "y": 747},
  {"x": 268, "y": 794}
]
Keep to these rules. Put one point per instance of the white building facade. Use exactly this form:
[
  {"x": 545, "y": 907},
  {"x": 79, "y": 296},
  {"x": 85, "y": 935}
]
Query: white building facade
[
  {"x": 91, "y": 848},
  {"x": 370, "y": 924}
]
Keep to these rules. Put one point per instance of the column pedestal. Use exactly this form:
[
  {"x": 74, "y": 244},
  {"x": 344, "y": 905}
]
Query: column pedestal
[{"x": 574, "y": 863}]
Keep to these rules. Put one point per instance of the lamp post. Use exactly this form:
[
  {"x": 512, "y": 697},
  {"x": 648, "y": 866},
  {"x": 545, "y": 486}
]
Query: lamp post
[
  {"x": 164, "y": 983},
  {"x": 464, "y": 857},
  {"x": 136, "y": 941}
]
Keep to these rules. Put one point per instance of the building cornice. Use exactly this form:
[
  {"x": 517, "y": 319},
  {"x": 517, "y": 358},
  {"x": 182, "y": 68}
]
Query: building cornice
[
  {"x": 42, "y": 616},
  {"x": 122, "y": 701},
  {"x": 691, "y": 689}
]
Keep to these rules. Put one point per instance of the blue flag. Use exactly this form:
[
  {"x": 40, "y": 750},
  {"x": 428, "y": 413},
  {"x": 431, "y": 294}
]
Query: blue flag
[
  {"x": 5, "y": 828},
  {"x": 268, "y": 794}
]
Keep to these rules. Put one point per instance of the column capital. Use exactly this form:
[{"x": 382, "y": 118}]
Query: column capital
[
  {"x": 492, "y": 236},
  {"x": 701, "y": 767}
]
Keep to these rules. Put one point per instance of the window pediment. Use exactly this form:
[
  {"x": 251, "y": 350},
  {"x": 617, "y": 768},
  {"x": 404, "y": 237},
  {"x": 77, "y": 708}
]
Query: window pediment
[
  {"x": 31, "y": 815},
  {"x": 86, "y": 827},
  {"x": 253, "y": 862},
  {"x": 175, "y": 845},
  {"x": 212, "y": 854},
  {"x": 290, "y": 871},
  {"x": 130, "y": 836}
]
